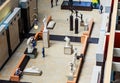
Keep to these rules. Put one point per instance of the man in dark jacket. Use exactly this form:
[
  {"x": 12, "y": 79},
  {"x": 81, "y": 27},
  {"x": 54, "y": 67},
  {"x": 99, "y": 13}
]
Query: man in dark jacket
[
  {"x": 56, "y": 2},
  {"x": 101, "y": 8},
  {"x": 51, "y": 3}
]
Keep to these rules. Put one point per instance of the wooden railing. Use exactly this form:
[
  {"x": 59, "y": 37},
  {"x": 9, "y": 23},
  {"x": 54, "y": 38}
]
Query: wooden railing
[
  {"x": 84, "y": 41},
  {"x": 21, "y": 64}
]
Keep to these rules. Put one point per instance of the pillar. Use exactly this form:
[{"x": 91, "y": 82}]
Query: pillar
[
  {"x": 76, "y": 25},
  {"x": 71, "y": 23}
]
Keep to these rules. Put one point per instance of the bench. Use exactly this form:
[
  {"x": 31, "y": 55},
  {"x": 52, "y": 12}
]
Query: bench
[
  {"x": 21, "y": 64},
  {"x": 39, "y": 34}
]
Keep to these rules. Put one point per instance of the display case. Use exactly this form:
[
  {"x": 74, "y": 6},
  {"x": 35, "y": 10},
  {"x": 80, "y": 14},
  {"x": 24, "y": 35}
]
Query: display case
[
  {"x": 12, "y": 27},
  {"x": 4, "y": 53}
]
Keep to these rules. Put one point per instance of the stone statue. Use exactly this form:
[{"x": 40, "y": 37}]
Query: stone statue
[
  {"x": 71, "y": 66},
  {"x": 67, "y": 39},
  {"x": 45, "y": 23},
  {"x": 75, "y": 59},
  {"x": 31, "y": 43},
  {"x": 71, "y": 69},
  {"x": 86, "y": 24},
  {"x": 81, "y": 17},
  {"x": 75, "y": 51},
  {"x": 45, "y": 34}
]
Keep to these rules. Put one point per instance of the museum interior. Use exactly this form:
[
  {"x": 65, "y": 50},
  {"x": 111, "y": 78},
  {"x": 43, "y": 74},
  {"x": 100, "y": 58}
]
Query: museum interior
[{"x": 59, "y": 41}]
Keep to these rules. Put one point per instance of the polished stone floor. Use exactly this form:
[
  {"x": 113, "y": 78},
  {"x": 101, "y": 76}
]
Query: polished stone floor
[{"x": 55, "y": 66}]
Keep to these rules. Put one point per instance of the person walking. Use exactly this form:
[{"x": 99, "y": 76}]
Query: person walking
[
  {"x": 43, "y": 52},
  {"x": 51, "y": 3},
  {"x": 101, "y": 8},
  {"x": 56, "y": 2}
]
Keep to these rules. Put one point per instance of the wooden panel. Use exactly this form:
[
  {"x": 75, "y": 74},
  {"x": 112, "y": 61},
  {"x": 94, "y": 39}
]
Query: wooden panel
[
  {"x": 117, "y": 39},
  {"x": 116, "y": 66},
  {"x": 3, "y": 48},
  {"x": 14, "y": 34},
  {"x": 108, "y": 64}
]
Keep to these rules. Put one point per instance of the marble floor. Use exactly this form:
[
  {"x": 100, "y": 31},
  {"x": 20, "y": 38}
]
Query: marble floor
[{"x": 55, "y": 66}]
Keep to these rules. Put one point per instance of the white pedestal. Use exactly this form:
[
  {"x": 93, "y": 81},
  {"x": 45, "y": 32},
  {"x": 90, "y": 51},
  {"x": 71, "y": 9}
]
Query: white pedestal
[
  {"x": 68, "y": 49},
  {"x": 85, "y": 26},
  {"x": 46, "y": 38},
  {"x": 70, "y": 78},
  {"x": 32, "y": 71},
  {"x": 81, "y": 23},
  {"x": 33, "y": 54}
]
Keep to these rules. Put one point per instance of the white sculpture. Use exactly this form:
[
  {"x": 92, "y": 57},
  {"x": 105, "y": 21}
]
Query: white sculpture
[
  {"x": 74, "y": 62},
  {"x": 30, "y": 45},
  {"x": 71, "y": 69},
  {"x": 32, "y": 70},
  {"x": 86, "y": 24},
  {"x": 45, "y": 24},
  {"x": 45, "y": 34},
  {"x": 67, "y": 39}
]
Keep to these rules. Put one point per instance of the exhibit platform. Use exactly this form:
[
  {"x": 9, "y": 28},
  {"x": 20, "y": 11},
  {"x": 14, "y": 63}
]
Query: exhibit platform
[
  {"x": 33, "y": 54},
  {"x": 77, "y": 5}
]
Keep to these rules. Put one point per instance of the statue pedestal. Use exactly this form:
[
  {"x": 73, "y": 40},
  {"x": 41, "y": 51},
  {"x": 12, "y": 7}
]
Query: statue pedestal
[
  {"x": 81, "y": 23},
  {"x": 46, "y": 38},
  {"x": 70, "y": 76},
  {"x": 33, "y": 54},
  {"x": 85, "y": 26},
  {"x": 68, "y": 49}
]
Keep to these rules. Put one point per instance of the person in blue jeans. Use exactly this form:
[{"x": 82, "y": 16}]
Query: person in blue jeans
[{"x": 43, "y": 52}]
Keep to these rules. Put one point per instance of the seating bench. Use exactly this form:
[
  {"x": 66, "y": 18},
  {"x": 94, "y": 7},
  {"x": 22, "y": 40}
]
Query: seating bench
[
  {"x": 21, "y": 64},
  {"x": 39, "y": 34}
]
